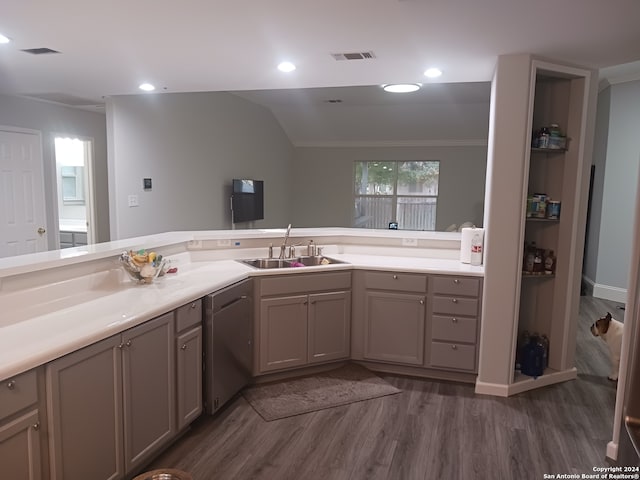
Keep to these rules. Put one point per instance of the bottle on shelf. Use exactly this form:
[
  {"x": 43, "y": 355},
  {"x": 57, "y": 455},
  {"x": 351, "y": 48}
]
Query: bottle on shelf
[
  {"x": 543, "y": 138},
  {"x": 550, "y": 263},
  {"x": 529, "y": 259},
  {"x": 538, "y": 262}
]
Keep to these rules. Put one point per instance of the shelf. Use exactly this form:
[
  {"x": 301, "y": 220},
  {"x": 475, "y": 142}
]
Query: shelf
[
  {"x": 538, "y": 275},
  {"x": 548, "y": 150},
  {"x": 542, "y": 220}
]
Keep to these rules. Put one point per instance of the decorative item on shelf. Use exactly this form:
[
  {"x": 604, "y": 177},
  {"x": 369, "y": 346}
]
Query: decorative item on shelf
[
  {"x": 550, "y": 138},
  {"x": 550, "y": 263},
  {"x": 143, "y": 266},
  {"x": 538, "y": 261},
  {"x": 553, "y": 209}
]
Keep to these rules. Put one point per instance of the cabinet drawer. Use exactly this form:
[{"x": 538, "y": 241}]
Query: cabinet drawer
[
  {"x": 453, "y": 355},
  {"x": 404, "y": 282},
  {"x": 17, "y": 393},
  {"x": 188, "y": 315},
  {"x": 453, "y": 329},
  {"x": 297, "y": 283},
  {"x": 453, "y": 285},
  {"x": 455, "y": 306}
]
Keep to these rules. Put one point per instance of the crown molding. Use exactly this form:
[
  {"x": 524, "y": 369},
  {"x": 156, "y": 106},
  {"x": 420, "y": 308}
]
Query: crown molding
[{"x": 479, "y": 142}]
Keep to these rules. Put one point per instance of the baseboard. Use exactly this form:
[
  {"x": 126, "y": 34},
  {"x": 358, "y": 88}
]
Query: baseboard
[
  {"x": 612, "y": 450},
  {"x": 495, "y": 389},
  {"x": 588, "y": 285},
  {"x": 606, "y": 292}
]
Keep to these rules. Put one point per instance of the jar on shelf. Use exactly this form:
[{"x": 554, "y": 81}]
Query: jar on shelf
[{"x": 543, "y": 138}]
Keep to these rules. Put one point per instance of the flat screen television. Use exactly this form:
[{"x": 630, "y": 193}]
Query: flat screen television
[{"x": 247, "y": 200}]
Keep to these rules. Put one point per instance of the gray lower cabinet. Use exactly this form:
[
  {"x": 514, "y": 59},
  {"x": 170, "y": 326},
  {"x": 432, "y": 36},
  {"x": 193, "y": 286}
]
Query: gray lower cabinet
[
  {"x": 303, "y": 319},
  {"x": 189, "y": 359},
  {"x": 283, "y": 332},
  {"x": 329, "y": 326},
  {"x": 111, "y": 404},
  {"x": 394, "y": 327},
  {"x": 454, "y": 321},
  {"x": 20, "y": 442},
  {"x": 394, "y": 317}
]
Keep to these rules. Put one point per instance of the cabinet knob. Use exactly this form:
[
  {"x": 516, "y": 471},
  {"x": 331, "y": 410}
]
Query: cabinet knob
[
  {"x": 313, "y": 302},
  {"x": 121, "y": 346},
  {"x": 395, "y": 277},
  {"x": 36, "y": 426},
  {"x": 194, "y": 305},
  {"x": 421, "y": 302},
  {"x": 456, "y": 281},
  {"x": 183, "y": 347},
  {"x": 454, "y": 347},
  {"x": 454, "y": 320},
  {"x": 11, "y": 384},
  {"x": 128, "y": 344},
  {"x": 454, "y": 300}
]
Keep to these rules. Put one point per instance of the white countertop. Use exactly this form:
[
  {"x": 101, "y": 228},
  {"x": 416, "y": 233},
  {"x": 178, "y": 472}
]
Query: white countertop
[{"x": 104, "y": 304}]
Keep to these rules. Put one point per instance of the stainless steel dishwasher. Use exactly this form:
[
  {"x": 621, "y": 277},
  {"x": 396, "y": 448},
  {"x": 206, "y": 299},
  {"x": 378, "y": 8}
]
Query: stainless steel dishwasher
[{"x": 228, "y": 343}]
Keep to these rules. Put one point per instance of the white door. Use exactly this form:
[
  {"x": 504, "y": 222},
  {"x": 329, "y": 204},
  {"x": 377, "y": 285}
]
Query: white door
[{"x": 22, "y": 207}]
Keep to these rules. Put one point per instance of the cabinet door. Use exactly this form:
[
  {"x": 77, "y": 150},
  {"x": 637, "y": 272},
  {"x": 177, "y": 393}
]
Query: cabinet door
[
  {"x": 20, "y": 448},
  {"x": 148, "y": 366},
  {"x": 283, "y": 332},
  {"x": 84, "y": 401},
  {"x": 329, "y": 326},
  {"x": 189, "y": 376},
  {"x": 394, "y": 327}
]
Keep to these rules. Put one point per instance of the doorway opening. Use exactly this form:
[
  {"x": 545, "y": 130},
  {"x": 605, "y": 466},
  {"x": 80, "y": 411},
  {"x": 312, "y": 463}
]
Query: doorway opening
[{"x": 74, "y": 179}]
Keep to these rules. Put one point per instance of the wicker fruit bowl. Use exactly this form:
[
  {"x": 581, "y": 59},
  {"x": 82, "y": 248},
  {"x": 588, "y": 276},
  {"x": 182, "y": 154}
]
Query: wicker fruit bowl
[{"x": 142, "y": 266}]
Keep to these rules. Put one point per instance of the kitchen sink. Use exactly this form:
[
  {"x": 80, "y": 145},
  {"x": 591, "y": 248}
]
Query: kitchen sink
[{"x": 305, "y": 261}]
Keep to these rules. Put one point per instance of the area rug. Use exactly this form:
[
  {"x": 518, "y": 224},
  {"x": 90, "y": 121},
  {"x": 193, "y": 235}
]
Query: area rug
[{"x": 348, "y": 384}]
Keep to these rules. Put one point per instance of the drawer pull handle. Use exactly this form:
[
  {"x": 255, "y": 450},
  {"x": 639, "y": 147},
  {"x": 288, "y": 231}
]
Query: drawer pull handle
[
  {"x": 454, "y": 320},
  {"x": 395, "y": 277},
  {"x": 183, "y": 347},
  {"x": 456, "y": 281},
  {"x": 36, "y": 426},
  {"x": 454, "y": 347},
  {"x": 454, "y": 300},
  {"x": 11, "y": 385}
]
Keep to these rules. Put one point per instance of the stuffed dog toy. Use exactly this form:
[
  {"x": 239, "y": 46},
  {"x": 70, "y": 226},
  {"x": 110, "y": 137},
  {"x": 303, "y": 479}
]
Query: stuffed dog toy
[{"x": 610, "y": 330}]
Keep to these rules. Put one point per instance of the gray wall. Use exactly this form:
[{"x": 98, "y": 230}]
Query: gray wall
[
  {"x": 619, "y": 191},
  {"x": 51, "y": 119},
  {"x": 192, "y": 145},
  {"x": 323, "y": 182},
  {"x": 599, "y": 161}
]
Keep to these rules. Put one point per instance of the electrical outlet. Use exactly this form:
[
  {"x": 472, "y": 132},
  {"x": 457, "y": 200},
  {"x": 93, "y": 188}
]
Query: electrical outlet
[
  {"x": 224, "y": 242},
  {"x": 409, "y": 242},
  {"x": 193, "y": 244},
  {"x": 133, "y": 201}
]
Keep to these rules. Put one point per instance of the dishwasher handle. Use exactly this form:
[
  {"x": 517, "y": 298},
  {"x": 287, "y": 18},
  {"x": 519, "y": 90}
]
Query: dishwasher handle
[{"x": 231, "y": 302}]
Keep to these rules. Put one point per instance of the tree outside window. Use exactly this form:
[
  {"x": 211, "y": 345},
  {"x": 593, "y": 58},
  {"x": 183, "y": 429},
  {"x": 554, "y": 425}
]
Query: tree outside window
[{"x": 396, "y": 191}]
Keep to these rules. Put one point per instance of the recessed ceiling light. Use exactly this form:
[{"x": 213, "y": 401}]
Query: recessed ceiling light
[
  {"x": 147, "y": 87},
  {"x": 4, "y": 39},
  {"x": 286, "y": 67},
  {"x": 433, "y": 72},
  {"x": 401, "y": 87}
]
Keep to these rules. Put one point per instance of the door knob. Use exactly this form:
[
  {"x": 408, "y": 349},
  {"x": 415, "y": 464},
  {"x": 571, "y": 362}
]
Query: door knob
[{"x": 41, "y": 231}]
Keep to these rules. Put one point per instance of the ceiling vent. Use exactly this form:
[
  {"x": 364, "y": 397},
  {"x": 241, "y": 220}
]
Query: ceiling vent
[
  {"x": 333, "y": 100},
  {"x": 39, "y": 51},
  {"x": 354, "y": 56}
]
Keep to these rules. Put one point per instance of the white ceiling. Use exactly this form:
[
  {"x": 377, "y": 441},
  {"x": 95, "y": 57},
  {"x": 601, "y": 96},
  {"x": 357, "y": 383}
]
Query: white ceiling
[{"x": 110, "y": 47}]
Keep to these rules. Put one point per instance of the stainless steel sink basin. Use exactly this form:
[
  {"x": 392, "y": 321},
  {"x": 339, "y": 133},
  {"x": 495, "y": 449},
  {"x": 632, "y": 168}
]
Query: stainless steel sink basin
[{"x": 306, "y": 261}]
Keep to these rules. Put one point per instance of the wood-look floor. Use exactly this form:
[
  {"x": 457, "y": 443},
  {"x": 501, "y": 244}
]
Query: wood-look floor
[{"x": 433, "y": 430}]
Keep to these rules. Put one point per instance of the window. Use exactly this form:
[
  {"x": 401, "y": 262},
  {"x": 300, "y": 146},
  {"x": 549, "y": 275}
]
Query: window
[
  {"x": 395, "y": 191},
  {"x": 72, "y": 184}
]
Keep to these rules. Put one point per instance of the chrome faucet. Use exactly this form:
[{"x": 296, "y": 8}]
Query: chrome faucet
[{"x": 283, "y": 247}]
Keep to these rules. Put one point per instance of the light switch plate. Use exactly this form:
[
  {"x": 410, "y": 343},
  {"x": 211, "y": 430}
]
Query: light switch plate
[{"x": 133, "y": 201}]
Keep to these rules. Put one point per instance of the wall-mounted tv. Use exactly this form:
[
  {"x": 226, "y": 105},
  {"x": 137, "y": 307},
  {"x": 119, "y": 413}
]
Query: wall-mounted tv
[{"x": 247, "y": 200}]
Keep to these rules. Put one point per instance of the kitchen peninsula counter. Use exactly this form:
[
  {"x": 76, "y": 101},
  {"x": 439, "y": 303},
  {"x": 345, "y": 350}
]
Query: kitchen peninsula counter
[{"x": 54, "y": 303}]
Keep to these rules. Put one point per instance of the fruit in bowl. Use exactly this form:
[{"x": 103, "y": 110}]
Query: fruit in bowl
[{"x": 142, "y": 266}]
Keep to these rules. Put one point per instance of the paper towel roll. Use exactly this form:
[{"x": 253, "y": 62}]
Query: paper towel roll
[{"x": 465, "y": 242}]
